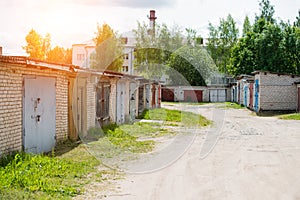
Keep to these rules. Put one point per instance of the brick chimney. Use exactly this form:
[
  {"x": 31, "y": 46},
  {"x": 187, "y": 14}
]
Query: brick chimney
[
  {"x": 0, "y": 51},
  {"x": 152, "y": 19}
]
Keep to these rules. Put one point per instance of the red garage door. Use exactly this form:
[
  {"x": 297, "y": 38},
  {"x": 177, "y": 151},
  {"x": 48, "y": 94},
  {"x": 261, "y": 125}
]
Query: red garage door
[
  {"x": 193, "y": 95},
  {"x": 167, "y": 94}
]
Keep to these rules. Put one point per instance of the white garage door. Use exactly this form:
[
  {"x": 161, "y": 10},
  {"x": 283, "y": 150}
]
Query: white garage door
[
  {"x": 39, "y": 114},
  {"x": 217, "y": 95}
]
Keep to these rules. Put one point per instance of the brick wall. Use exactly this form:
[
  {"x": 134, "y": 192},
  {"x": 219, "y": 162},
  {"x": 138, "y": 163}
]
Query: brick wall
[
  {"x": 113, "y": 100},
  {"x": 11, "y": 79},
  {"x": 277, "y": 92},
  {"x": 91, "y": 102}
]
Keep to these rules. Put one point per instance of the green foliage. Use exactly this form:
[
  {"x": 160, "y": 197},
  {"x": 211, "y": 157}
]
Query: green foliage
[
  {"x": 267, "y": 11},
  {"x": 168, "y": 53},
  {"x": 186, "y": 118},
  {"x": 126, "y": 141},
  {"x": 246, "y": 26},
  {"x": 108, "y": 53},
  {"x": 152, "y": 53},
  {"x": 232, "y": 105},
  {"x": 297, "y": 21},
  {"x": 40, "y": 174},
  {"x": 190, "y": 66},
  {"x": 268, "y": 46},
  {"x": 295, "y": 116},
  {"x": 221, "y": 40}
]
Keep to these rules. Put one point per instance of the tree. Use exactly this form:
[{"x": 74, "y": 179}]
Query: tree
[
  {"x": 108, "y": 52},
  {"x": 297, "y": 22},
  {"x": 243, "y": 56},
  {"x": 267, "y": 11},
  {"x": 246, "y": 26},
  {"x": 270, "y": 49},
  {"x": 60, "y": 55},
  {"x": 190, "y": 65},
  {"x": 170, "y": 53},
  {"x": 152, "y": 53},
  {"x": 221, "y": 40},
  {"x": 37, "y": 47}
]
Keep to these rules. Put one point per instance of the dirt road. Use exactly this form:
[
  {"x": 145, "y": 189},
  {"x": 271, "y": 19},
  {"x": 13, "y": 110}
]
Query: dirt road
[{"x": 241, "y": 157}]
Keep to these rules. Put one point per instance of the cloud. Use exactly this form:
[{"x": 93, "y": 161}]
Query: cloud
[{"x": 129, "y": 4}]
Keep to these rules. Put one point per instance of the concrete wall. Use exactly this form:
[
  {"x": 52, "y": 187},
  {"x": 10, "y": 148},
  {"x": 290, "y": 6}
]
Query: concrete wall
[
  {"x": 11, "y": 101},
  {"x": 277, "y": 92}
]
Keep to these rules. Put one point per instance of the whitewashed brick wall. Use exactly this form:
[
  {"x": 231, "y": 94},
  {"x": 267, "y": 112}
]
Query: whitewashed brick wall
[
  {"x": 113, "y": 100},
  {"x": 277, "y": 92},
  {"x": 91, "y": 102},
  {"x": 11, "y": 90}
]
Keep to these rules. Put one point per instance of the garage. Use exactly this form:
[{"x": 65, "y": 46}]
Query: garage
[
  {"x": 193, "y": 95},
  {"x": 167, "y": 94},
  {"x": 217, "y": 95}
]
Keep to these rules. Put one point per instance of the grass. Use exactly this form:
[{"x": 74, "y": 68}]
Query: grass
[
  {"x": 294, "y": 116},
  {"x": 28, "y": 176},
  {"x": 185, "y": 103},
  {"x": 65, "y": 172},
  {"x": 145, "y": 129},
  {"x": 232, "y": 105},
  {"x": 183, "y": 117},
  {"x": 124, "y": 137}
]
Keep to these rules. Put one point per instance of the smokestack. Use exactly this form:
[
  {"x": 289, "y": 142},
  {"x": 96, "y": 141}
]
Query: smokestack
[{"x": 152, "y": 18}]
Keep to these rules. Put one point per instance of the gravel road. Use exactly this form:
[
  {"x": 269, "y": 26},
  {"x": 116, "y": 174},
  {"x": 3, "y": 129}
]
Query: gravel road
[{"x": 242, "y": 156}]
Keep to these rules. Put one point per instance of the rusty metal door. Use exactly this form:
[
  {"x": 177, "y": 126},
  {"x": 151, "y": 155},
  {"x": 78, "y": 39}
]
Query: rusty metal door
[
  {"x": 102, "y": 106},
  {"x": 39, "y": 107},
  {"x": 153, "y": 96},
  {"x": 251, "y": 95}
]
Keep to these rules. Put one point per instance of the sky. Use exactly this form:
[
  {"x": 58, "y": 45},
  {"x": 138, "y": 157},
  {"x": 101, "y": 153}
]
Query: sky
[{"x": 74, "y": 21}]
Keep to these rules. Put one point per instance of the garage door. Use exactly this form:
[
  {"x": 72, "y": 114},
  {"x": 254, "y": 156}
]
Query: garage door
[
  {"x": 217, "y": 95},
  {"x": 167, "y": 94},
  {"x": 39, "y": 114},
  {"x": 193, "y": 95}
]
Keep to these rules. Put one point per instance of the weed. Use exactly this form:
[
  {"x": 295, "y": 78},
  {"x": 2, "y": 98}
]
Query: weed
[
  {"x": 186, "y": 118},
  {"x": 28, "y": 176},
  {"x": 232, "y": 105},
  {"x": 294, "y": 116}
]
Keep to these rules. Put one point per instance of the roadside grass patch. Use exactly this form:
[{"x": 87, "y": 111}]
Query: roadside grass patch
[
  {"x": 184, "y": 103},
  {"x": 28, "y": 176},
  {"x": 185, "y": 118},
  {"x": 126, "y": 141},
  {"x": 232, "y": 105},
  {"x": 294, "y": 116},
  {"x": 123, "y": 137}
]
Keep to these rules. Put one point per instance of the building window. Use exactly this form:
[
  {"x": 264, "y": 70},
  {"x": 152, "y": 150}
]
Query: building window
[
  {"x": 124, "y": 40},
  {"x": 126, "y": 56},
  {"x": 80, "y": 56},
  {"x": 125, "y": 68}
]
